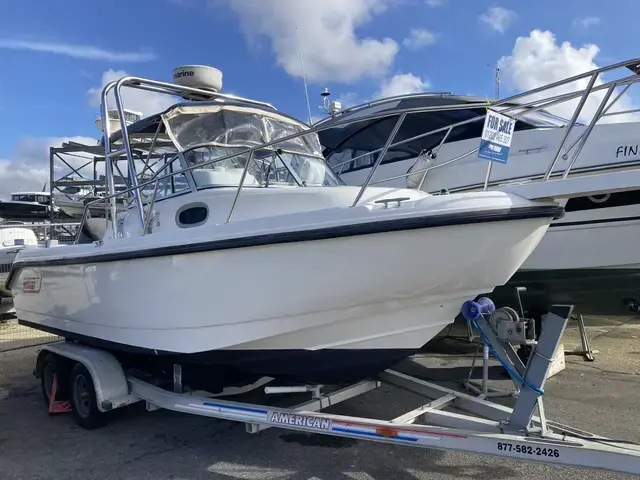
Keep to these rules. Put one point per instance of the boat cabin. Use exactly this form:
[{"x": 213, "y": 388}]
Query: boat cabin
[
  {"x": 343, "y": 143},
  {"x": 43, "y": 198}
]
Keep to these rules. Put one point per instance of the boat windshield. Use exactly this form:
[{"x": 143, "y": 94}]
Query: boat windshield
[
  {"x": 267, "y": 168},
  {"x": 205, "y": 133}
]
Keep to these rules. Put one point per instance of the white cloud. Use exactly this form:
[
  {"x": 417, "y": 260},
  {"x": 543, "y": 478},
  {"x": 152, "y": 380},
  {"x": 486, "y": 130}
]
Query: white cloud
[
  {"x": 401, "y": 84},
  {"x": 142, "y": 101},
  {"x": 537, "y": 60},
  {"x": 29, "y": 167},
  {"x": 86, "y": 52},
  {"x": 498, "y": 18},
  {"x": 586, "y": 22},
  {"x": 331, "y": 47},
  {"x": 419, "y": 38},
  {"x": 435, "y": 3}
]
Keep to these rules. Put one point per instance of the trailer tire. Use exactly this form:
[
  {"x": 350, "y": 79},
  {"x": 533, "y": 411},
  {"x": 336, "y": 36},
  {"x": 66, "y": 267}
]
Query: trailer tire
[
  {"x": 83, "y": 399},
  {"x": 53, "y": 365}
]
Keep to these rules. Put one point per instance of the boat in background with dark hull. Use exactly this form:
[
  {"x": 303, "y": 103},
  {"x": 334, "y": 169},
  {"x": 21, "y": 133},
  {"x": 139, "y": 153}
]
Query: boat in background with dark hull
[{"x": 28, "y": 207}]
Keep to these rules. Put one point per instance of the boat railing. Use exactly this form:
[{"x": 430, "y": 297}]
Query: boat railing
[
  {"x": 525, "y": 109},
  {"x": 507, "y": 107}
]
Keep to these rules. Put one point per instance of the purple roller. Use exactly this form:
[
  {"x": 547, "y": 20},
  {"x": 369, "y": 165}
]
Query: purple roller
[
  {"x": 486, "y": 305},
  {"x": 471, "y": 310}
]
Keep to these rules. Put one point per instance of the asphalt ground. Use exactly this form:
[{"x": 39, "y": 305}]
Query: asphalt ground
[{"x": 600, "y": 397}]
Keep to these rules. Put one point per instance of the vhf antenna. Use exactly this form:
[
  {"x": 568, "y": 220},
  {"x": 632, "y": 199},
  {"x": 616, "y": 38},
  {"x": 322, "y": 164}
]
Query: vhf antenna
[{"x": 304, "y": 78}]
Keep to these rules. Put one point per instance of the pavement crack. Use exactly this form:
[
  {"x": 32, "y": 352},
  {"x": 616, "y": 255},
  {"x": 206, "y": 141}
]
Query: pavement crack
[{"x": 605, "y": 371}]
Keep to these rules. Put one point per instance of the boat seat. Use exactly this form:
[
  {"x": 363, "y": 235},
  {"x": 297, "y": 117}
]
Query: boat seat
[{"x": 93, "y": 230}]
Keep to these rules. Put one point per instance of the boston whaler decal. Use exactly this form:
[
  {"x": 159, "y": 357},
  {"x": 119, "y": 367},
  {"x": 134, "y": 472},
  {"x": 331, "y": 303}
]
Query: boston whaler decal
[
  {"x": 31, "y": 285},
  {"x": 300, "y": 420}
]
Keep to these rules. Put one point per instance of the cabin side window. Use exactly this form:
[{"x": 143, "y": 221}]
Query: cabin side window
[{"x": 23, "y": 198}]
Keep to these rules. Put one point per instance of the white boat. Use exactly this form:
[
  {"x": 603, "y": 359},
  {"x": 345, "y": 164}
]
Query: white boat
[
  {"x": 253, "y": 257},
  {"x": 12, "y": 240},
  {"x": 71, "y": 201},
  {"x": 589, "y": 258}
]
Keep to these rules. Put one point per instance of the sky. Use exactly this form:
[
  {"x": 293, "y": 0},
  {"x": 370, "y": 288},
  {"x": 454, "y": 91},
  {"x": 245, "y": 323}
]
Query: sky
[{"x": 57, "y": 58}]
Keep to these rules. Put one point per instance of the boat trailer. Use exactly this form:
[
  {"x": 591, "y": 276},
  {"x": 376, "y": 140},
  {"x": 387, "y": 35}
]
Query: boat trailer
[{"x": 450, "y": 420}]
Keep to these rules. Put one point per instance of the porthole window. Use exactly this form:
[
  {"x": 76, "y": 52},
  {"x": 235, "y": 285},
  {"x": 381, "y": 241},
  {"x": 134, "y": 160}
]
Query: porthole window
[{"x": 192, "y": 215}]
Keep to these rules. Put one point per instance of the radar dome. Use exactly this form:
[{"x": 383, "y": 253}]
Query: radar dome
[{"x": 198, "y": 76}]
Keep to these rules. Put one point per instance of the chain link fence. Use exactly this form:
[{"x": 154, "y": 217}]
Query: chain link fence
[
  {"x": 14, "y": 336},
  {"x": 15, "y": 236}
]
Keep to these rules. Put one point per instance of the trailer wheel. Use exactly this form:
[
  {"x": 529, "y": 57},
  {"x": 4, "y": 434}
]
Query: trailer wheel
[
  {"x": 83, "y": 399},
  {"x": 53, "y": 366}
]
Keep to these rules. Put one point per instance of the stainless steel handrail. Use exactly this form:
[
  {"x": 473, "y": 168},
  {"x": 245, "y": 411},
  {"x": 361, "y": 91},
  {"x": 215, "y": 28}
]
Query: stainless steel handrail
[
  {"x": 506, "y": 103},
  {"x": 526, "y": 108}
]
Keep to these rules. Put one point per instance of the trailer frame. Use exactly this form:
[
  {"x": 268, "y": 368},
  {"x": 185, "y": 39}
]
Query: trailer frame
[{"x": 451, "y": 420}]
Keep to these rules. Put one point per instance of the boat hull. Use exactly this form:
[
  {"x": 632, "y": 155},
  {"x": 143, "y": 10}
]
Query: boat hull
[
  {"x": 598, "y": 292},
  {"x": 76, "y": 209},
  {"x": 216, "y": 369},
  {"x": 382, "y": 301},
  {"x": 587, "y": 259},
  {"x": 24, "y": 211},
  {"x": 388, "y": 285},
  {"x": 70, "y": 209}
]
